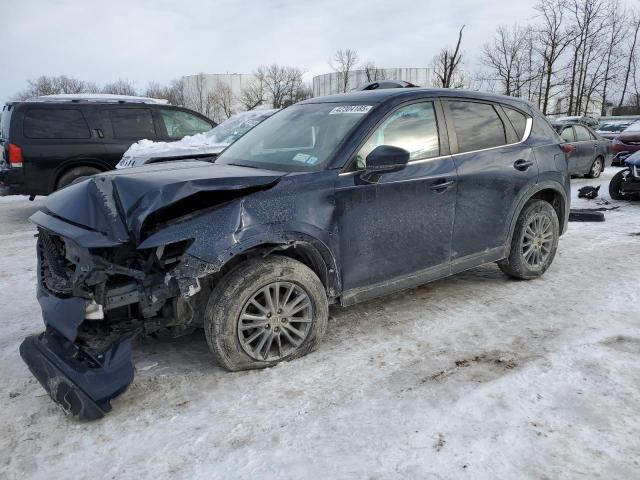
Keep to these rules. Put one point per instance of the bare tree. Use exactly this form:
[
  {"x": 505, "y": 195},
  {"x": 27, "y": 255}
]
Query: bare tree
[
  {"x": 343, "y": 63},
  {"x": 373, "y": 73},
  {"x": 446, "y": 65},
  {"x": 282, "y": 85},
  {"x": 45, "y": 85},
  {"x": 196, "y": 96},
  {"x": 254, "y": 93},
  {"x": 222, "y": 101},
  {"x": 631, "y": 56},
  {"x": 173, "y": 92},
  {"x": 617, "y": 30},
  {"x": 120, "y": 87}
]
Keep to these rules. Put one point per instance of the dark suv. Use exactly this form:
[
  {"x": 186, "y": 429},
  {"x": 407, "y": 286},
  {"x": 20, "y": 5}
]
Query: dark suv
[
  {"x": 48, "y": 142},
  {"x": 334, "y": 200}
]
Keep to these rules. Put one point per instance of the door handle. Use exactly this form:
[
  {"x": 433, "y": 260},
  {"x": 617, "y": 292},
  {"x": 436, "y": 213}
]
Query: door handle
[
  {"x": 443, "y": 185},
  {"x": 522, "y": 164},
  {"x": 99, "y": 132}
]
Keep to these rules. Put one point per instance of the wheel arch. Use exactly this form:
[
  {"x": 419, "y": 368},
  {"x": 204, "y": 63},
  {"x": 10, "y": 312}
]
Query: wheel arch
[{"x": 550, "y": 192}]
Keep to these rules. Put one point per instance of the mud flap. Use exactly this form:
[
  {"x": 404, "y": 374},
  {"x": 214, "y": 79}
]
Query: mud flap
[{"x": 81, "y": 383}]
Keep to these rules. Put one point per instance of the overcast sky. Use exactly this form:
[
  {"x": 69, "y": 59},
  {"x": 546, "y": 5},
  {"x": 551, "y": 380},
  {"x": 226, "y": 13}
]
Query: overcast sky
[{"x": 145, "y": 40}]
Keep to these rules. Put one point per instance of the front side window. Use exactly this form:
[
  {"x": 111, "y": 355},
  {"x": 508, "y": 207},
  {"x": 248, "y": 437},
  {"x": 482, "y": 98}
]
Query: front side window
[
  {"x": 60, "y": 123},
  {"x": 299, "y": 138},
  {"x": 413, "y": 128},
  {"x": 582, "y": 134},
  {"x": 568, "y": 135},
  {"x": 179, "y": 124},
  {"x": 477, "y": 125},
  {"x": 133, "y": 123}
]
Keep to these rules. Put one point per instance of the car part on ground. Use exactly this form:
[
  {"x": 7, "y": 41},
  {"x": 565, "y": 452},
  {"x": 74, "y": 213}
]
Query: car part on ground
[
  {"x": 206, "y": 145},
  {"x": 586, "y": 215},
  {"x": 46, "y": 140},
  {"x": 588, "y": 192},
  {"x": 331, "y": 201},
  {"x": 625, "y": 185}
]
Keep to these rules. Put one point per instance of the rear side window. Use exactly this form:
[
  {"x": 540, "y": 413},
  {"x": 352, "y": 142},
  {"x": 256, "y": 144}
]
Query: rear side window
[
  {"x": 582, "y": 134},
  {"x": 477, "y": 125},
  {"x": 5, "y": 120},
  {"x": 134, "y": 123},
  {"x": 62, "y": 123},
  {"x": 567, "y": 134},
  {"x": 517, "y": 119}
]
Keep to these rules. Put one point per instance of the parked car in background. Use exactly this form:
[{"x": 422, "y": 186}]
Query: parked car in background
[
  {"x": 584, "y": 120},
  {"x": 203, "y": 146},
  {"x": 610, "y": 129},
  {"x": 48, "y": 142},
  {"x": 591, "y": 152},
  {"x": 334, "y": 200},
  {"x": 626, "y": 143},
  {"x": 625, "y": 185}
]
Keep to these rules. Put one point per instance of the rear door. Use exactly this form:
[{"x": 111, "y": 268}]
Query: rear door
[
  {"x": 53, "y": 136},
  {"x": 569, "y": 136},
  {"x": 494, "y": 166},
  {"x": 124, "y": 125},
  {"x": 586, "y": 149}
]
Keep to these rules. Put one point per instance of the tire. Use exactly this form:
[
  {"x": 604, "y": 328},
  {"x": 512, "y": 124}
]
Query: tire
[
  {"x": 70, "y": 176},
  {"x": 521, "y": 263},
  {"x": 615, "y": 184},
  {"x": 232, "y": 297},
  {"x": 596, "y": 168}
]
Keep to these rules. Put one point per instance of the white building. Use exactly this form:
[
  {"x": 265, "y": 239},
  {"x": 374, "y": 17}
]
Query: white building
[{"x": 331, "y": 83}]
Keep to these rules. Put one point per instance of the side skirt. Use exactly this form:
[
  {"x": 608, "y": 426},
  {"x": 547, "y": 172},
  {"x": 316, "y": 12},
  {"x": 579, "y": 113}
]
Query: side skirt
[{"x": 362, "y": 294}]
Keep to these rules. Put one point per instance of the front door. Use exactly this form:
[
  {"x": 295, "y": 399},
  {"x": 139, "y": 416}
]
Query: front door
[{"x": 400, "y": 223}]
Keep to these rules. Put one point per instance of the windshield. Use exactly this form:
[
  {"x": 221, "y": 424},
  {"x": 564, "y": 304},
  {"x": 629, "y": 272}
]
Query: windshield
[
  {"x": 634, "y": 127},
  {"x": 233, "y": 128},
  {"x": 300, "y": 138},
  {"x": 613, "y": 126}
]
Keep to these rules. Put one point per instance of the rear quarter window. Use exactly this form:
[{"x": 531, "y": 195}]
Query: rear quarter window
[
  {"x": 50, "y": 123},
  {"x": 517, "y": 119},
  {"x": 478, "y": 126}
]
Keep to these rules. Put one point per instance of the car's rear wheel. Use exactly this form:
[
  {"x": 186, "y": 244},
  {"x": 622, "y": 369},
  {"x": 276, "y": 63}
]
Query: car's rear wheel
[
  {"x": 534, "y": 242},
  {"x": 596, "y": 168},
  {"x": 615, "y": 185},
  {"x": 265, "y": 311},
  {"x": 75, "y": 173}
]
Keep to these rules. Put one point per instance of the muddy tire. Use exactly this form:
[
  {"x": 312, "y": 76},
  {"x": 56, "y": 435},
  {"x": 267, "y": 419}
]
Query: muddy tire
[
  {"x": 534, "y": 242},
  {"x": 596, "y": 168},
  {"x": 615, "y": 185},
  {"x": 265, "y": 311},
  {"x": 74, "y": 174}
]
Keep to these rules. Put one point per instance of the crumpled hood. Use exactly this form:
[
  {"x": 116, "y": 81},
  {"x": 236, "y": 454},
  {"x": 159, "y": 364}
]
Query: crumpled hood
[{"x": 116, "y": 203}]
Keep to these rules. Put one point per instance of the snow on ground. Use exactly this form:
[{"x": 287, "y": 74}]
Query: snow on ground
[{"x": 475, "y": 376}]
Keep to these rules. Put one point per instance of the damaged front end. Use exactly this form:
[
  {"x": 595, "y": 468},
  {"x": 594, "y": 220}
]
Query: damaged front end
[
  {"x": 99, "y": 287},
  {"x": 94, "y": 303}
]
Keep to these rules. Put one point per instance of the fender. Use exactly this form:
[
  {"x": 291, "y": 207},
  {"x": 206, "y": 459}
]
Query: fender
[
  {"x": 526, "y": 196},
  {"x": 76, "y": 162}
]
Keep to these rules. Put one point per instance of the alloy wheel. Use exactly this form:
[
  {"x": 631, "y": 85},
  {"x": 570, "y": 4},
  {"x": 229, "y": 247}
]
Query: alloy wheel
[
  {"x": 537, "y": 241},
  {"x": 596, "y": 169},
  {"x": 275, "y": 321}
]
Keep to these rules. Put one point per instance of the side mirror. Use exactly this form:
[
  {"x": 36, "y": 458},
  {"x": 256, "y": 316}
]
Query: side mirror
[{"x": 386, "y": 158}]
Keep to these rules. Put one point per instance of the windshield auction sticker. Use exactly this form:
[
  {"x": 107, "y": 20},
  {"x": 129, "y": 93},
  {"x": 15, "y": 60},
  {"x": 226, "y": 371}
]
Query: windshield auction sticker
[{"x": 358, "y": 109}]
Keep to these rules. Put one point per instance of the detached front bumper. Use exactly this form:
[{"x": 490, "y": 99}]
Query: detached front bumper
[{"x": 83, "y": 383}]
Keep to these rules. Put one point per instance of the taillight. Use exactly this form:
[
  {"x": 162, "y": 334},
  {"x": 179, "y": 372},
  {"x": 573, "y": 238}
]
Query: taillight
[
  {"x": 15, "y": 155},
  {"x": 567, "y": 148}
]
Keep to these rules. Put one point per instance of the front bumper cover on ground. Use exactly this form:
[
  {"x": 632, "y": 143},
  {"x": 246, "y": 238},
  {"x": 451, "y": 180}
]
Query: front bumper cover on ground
[{"x": 81, "y": 382}]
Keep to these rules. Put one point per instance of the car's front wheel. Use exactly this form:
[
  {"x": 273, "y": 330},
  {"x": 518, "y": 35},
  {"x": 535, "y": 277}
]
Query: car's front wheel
[
  {"x": 615, "y": 185},
  {"x": 265, "y": 311},
  {"x": 534, "y": 242}
]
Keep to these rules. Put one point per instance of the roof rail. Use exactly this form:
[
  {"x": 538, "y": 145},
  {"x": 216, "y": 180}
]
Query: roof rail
[{"x": 96, "y": 98}]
